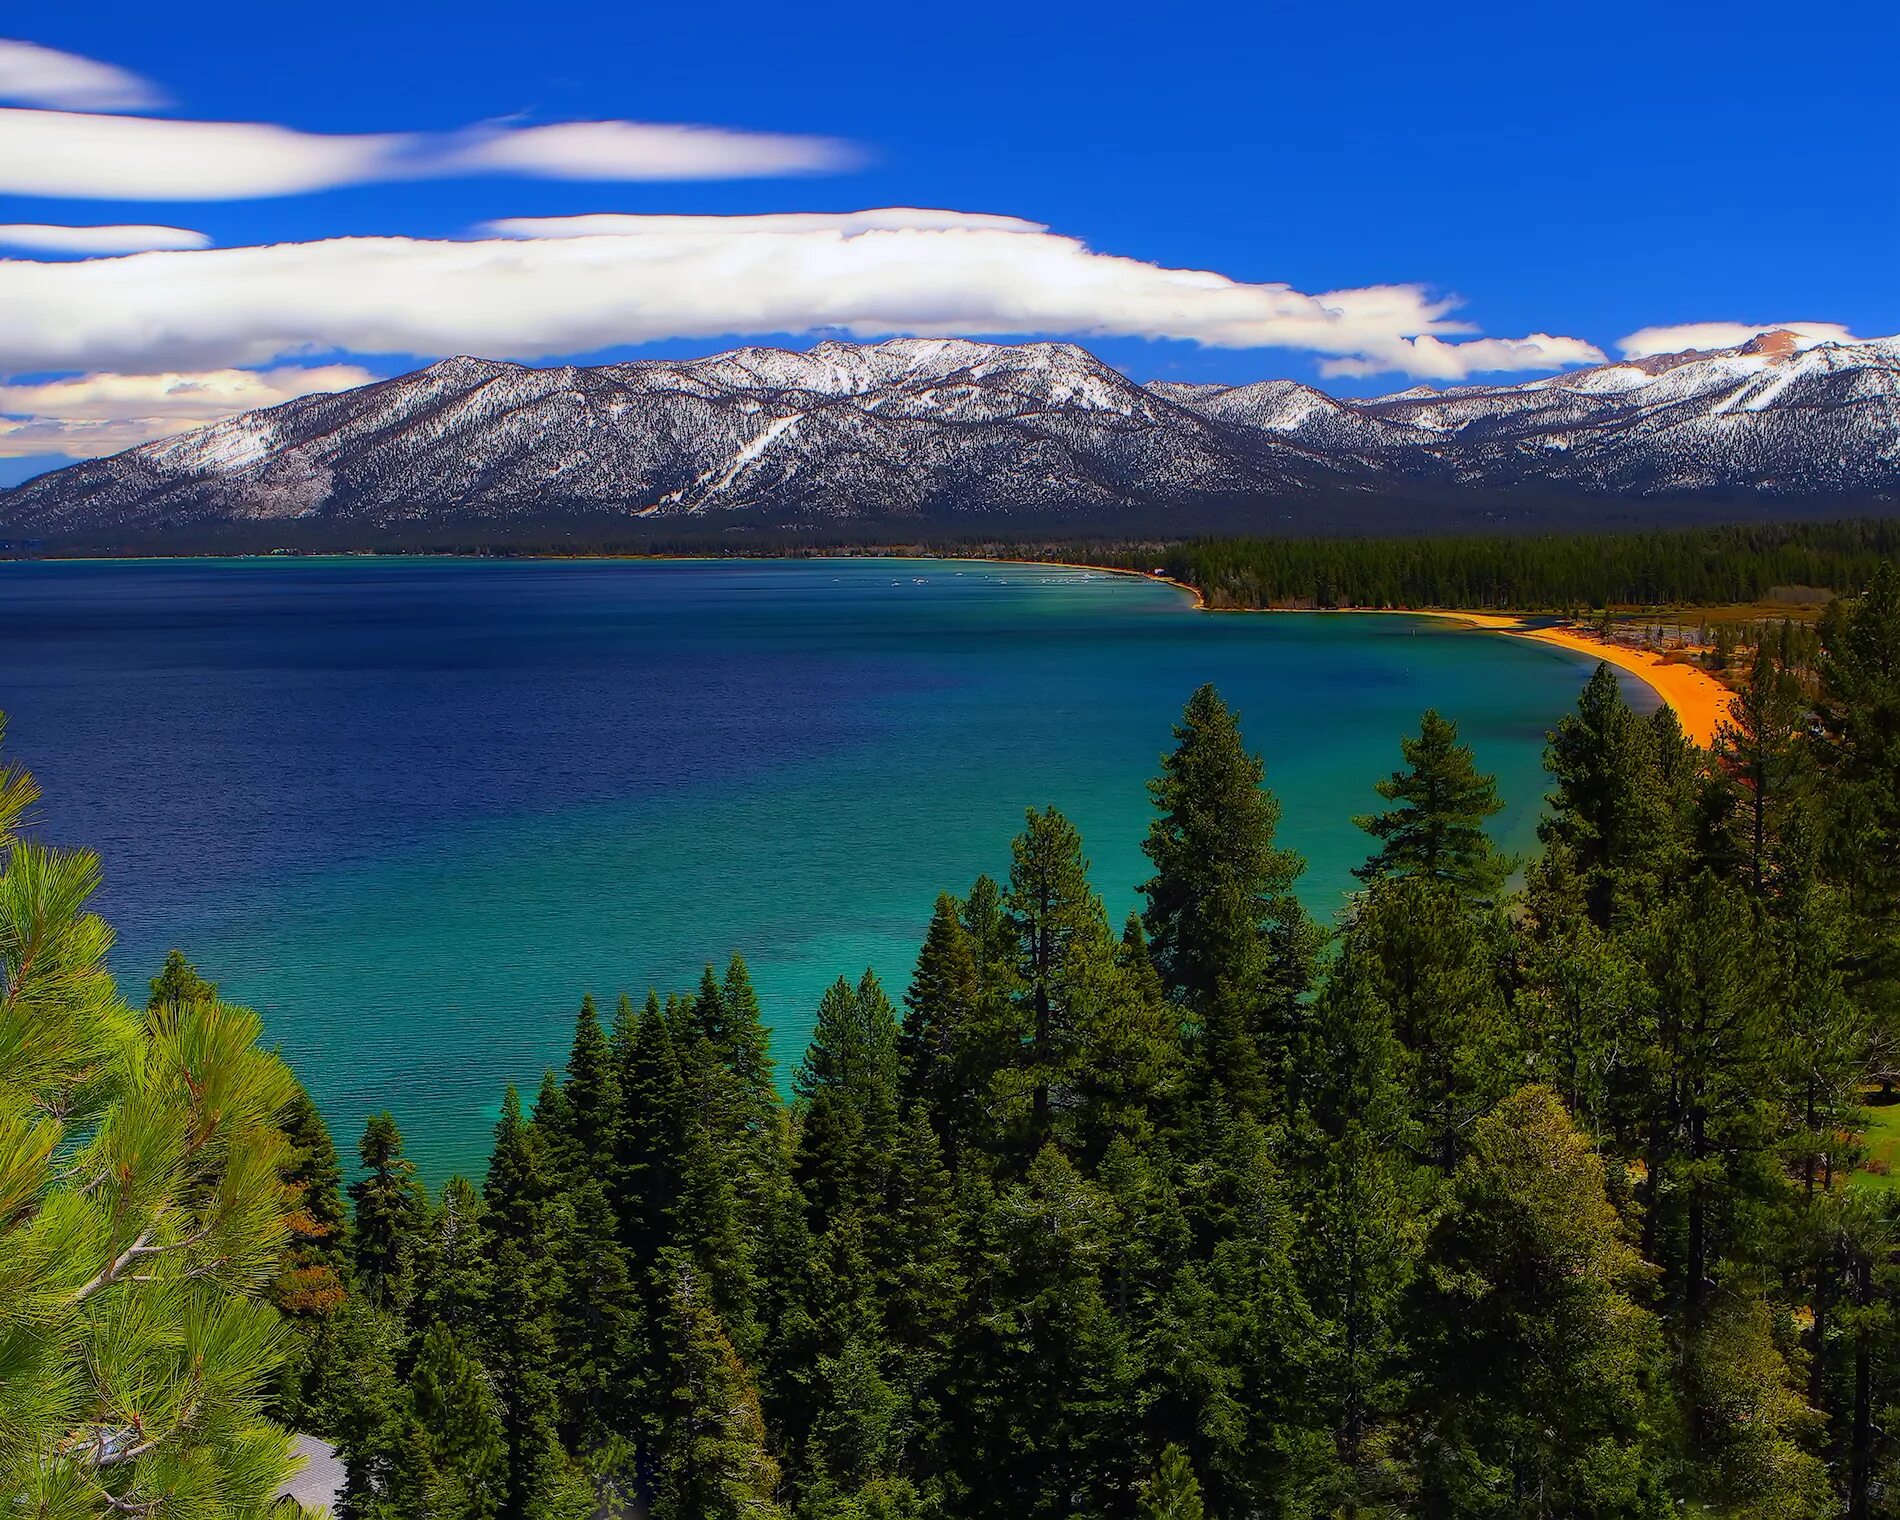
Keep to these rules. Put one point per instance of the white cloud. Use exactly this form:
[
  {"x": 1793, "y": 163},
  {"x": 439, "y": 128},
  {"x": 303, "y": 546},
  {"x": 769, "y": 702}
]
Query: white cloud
[
  {"x": 1429, "y": 358},
  {"x": 62, "y": 153},
  {"x": 696, "y": 277},
  {"x": 1712, "y": 335},
  {"x": 44, "y": 76},
  {"x": 83, "y": 156},
  {"x": 117, "y": 239},
  {"x": 89, "y": 415},
  {"x": 615, "y": 150},
  {"x": 885, "y": 219}
]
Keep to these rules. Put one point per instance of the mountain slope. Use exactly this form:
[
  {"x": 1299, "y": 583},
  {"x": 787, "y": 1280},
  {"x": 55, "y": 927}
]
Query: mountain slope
[{"x": 953, "y": 430}]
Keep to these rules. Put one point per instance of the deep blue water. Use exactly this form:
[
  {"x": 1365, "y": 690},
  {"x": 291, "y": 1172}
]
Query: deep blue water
[{"x": 410, "y": 809}]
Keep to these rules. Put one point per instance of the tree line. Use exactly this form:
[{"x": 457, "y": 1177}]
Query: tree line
[
  {"x": 1529, "y": 1189},
  {"x": 1560, "y": 572}
]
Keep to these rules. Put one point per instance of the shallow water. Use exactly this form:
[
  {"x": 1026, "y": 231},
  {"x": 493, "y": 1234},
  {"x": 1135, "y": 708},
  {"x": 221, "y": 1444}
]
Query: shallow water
[{"x": 412, "y": 808}]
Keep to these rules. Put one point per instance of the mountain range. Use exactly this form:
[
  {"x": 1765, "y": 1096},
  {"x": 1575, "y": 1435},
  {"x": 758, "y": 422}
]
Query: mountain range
[{"x": 953, "y": 432}]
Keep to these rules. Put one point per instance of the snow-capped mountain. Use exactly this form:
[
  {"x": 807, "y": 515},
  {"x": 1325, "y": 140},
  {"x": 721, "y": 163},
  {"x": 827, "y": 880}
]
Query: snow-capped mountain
[
  {"x": 948, "y": 429},
  {"x": 1771, "y": 417}
]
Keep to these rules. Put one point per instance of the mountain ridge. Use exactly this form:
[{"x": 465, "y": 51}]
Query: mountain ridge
[{"x": 948, "y": 430}]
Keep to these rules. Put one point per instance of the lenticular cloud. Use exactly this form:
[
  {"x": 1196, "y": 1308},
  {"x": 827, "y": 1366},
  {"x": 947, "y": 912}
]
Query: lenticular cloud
[{"x": 538, "y": 290}]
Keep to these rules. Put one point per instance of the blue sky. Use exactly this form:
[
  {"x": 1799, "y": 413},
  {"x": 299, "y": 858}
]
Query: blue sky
[{"x": 1581, "y": 174}]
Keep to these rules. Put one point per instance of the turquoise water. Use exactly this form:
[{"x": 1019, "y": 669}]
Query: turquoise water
[{"x": 411, "y": 809}]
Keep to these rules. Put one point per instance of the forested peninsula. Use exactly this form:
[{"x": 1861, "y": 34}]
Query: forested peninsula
[{"x": 1550, "y": 1189}]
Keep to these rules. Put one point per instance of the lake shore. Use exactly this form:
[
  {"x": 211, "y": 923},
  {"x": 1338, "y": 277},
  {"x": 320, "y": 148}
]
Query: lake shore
[{"x": 1701, "y": 702}]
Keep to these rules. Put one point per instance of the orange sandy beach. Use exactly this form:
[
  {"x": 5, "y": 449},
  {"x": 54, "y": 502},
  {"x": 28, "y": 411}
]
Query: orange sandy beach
[{"x": 1701, "y": 702}]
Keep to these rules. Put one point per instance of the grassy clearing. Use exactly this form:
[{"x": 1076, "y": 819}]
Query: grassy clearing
[{"x": 1880, "y": 1133}]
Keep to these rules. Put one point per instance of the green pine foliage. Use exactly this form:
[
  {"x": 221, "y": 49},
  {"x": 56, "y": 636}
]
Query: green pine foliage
[
  {"x": 1532, "y": 1199},
  {"x": 1436, "y": 832},
  {"x": 143, "y": 1219}
]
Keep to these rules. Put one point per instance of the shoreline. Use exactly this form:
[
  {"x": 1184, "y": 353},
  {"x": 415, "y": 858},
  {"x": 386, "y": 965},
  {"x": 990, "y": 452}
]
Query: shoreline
[{"x": 1701, "y": 702}]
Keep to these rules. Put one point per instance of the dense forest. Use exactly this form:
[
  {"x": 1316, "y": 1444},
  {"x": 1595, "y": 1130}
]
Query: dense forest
[
  {"x": 1565, "y": 572},
  {"x": 1532, "y": 1189}
]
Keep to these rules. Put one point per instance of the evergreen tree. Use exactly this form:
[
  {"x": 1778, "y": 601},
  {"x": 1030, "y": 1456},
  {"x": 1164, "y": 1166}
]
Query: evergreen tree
[
  {"x": 391, "y": 1214},
  {"x": 142, "y": 1215},
  {"x": 1859, "y": 715},
  {"x": 938, "y": 1060},
  {"x": 1536, "y": 1365},
  {"x": 1062, "y": 941},
  {"x": 518, "y": 1342},
  {"x": 595, "y": 1322},
  {"x": 178, "y": 983},
  {"x": 1127, "y": 1072},
  {"x": 1039, "y": 1390},
  {"x": 1437, "y": 830},
  {"x": 452, "y": 1266},
  {"x": 748, "y": 1047},
  {"x": 1750, "y": 1428},
  {"x": 1433, "y": 964},
  {"x": 847, "y": 1089},
  {"x": 1711, "y": 1159},
  {"x": 455, "y": 1424},
  {"x": 713, "y": 1463},
  {"x": 310, "y": 1284},
  {"x": 653, "y": 1122},
  {"x": 1363, "y": 1229},
  {"x": 1758, "y": 751},
  {"x": 1610, "y": 813},
  {"x": 316, "y": 1263},
  {"x": 1225, "y": 931},
  {"x": 593, "y": 1096},
  {"x": 1173, "y": 1493}
]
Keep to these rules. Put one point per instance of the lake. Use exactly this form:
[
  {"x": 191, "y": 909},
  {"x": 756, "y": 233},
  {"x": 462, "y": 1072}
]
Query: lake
[{"x": 411, "y": 809}]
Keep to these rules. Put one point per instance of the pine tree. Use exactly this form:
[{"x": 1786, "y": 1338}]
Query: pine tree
[
  {"x": 1433, "y": 963},
  {"x": 310, "y": 1283},
  {"x": 391, "y": 1214},
  {"x": 518, "y": 1344},
  {"x": 1359, "y": 1245},
  {"x": 142, "y": 1215},
  {"x": 720, "y": 1213},
  {"x": 460, "y": 1431},
  {"x": 1437, "y": 830},
  {"x": 1127, "y": 1076},
  {"x": 1610, "y": 812},
  {"x": 1712, "y": 1143},
  {"x": 179, "y": 984},
  {"x": 596, "y": 1322},
  {"x": 1041, "y": 1378},
  {"x": 713, "y": 1463},
  {"x": 452, "y": 1267},
  {"x": 1857, "y": 752},
  {"x": 1273, "y": 1451},
  {"x": 936, "y": 1059},
  {"x": 1062, "y": 941},
  {"x": 593, "y": 1095},
  {"x": 1225, "y": 931},
  {"x": 1758, "y": 751},
  {"x": 316, "y": 1263},
  {"x": 748, "y": 1044},
  {"x": 1173, "y": 1493},
  {"x": 653, "y": 1122},
  {"x": 1534, "y": 1360},
  {"x": 1751, "y": 1430}
]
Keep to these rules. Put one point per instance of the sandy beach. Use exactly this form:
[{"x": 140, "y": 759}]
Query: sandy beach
[{"x": 1701, "y": 702}]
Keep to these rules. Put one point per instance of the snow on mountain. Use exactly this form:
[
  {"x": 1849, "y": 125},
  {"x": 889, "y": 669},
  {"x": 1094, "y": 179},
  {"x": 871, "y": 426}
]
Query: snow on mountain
[
  {"x": 954, "y": 429},
  {"x": 1771, "y": 417}
]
